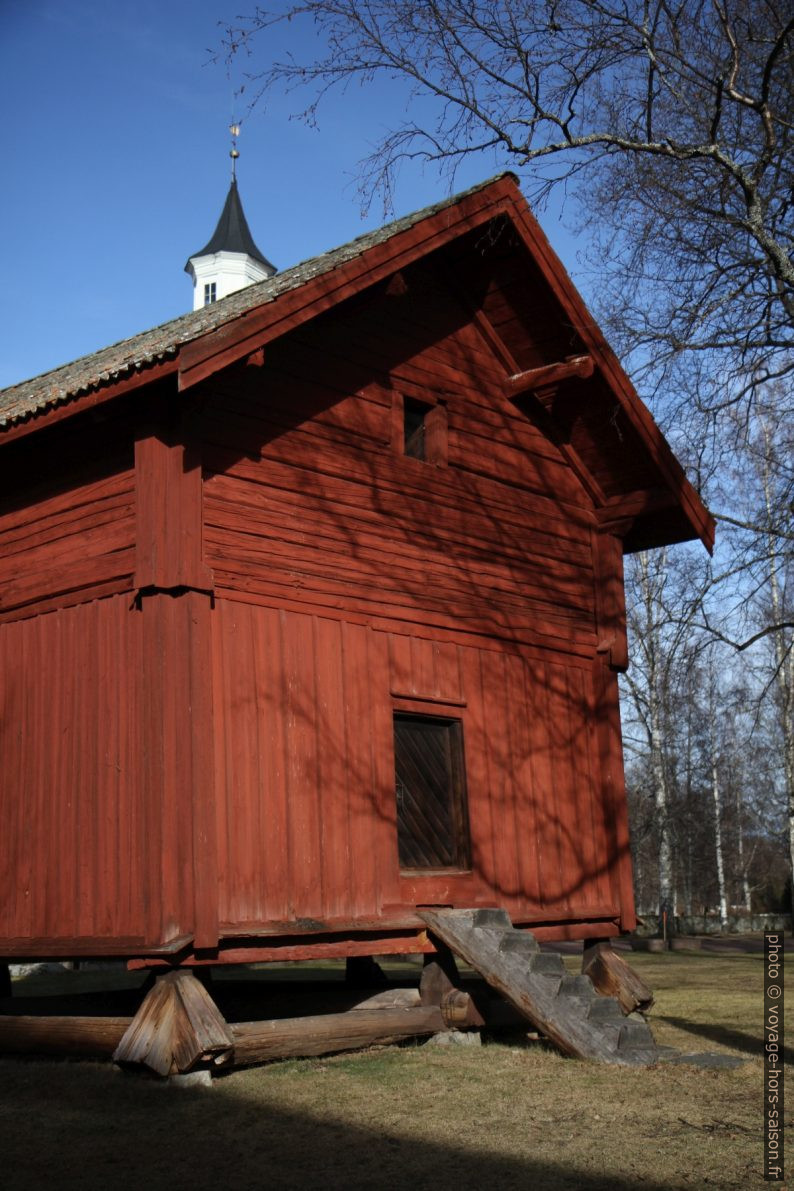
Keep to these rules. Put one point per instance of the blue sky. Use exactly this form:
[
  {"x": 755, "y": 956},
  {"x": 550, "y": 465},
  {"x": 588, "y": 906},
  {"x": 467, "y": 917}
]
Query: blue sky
[{"x": 115, "y": 147}]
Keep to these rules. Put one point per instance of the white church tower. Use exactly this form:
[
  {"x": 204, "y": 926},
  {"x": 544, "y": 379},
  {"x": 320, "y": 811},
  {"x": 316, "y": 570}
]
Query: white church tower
[{"x": 231, "y": 259}]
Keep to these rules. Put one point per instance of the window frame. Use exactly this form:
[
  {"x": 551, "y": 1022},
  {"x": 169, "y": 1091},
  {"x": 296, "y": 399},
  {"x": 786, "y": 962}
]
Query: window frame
[{"x": 435, "y": 424}]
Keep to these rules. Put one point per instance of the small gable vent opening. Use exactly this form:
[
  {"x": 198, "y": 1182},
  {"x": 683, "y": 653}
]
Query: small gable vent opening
[
  {"x": 420, "y": 429},
  {"x": 430, "y": 779},
  {"x": 415, "y": 415}
]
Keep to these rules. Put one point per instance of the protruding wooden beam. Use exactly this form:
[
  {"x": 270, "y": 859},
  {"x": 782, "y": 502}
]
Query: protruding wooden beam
[
  {"x": 612, "y": 976},
  {"x": 457, "y": 1007},
  {"x": 575, "y": 367}
]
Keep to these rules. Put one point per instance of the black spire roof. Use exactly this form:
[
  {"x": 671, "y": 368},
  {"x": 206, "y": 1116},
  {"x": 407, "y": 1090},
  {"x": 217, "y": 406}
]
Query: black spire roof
[{"x": 232, "y": 233}]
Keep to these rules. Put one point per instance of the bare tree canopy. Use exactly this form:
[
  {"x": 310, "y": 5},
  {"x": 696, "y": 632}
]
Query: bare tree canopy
[{"x": 671, "y": 120}]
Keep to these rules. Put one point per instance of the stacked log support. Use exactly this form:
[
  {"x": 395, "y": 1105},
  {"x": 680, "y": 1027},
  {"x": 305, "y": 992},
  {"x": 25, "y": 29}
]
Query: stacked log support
[{"x": 177, "y": 1028}]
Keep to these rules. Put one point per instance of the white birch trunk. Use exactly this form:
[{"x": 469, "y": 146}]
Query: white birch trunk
[
  {"x": 784, "y": 658},
  {"x": 715, "y": 794}
]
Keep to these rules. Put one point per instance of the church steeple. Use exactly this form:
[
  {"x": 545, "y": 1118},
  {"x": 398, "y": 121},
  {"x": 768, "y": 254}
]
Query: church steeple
[{"x": 231, "y": 259}]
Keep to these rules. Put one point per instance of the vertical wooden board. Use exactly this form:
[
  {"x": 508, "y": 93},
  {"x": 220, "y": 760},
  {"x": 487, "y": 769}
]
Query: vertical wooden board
[
  {"x": 31, "y": 794},
  {"x": 400, "y": 663},
  {"x": 244, "y": 792},
  {"x": 152, "y": 732},
  {"x": 423, "y": 676},
  {"x": 524, "y": 810},
  {"x": 204, "y": 859},
  {"x": 61, "y": 659},
  {"x": 241, "y": 827},
  {"x": 447, "y": 671},
  {"x": 130, "y": 712},
  {"x": 221, "y": 728},
  {"x": 334, "y": 737},
  {"x": 85, "y": 840},
  {"x": 542, "y": 781},
  {"x": 591, "y": 797},
  {"x": 614, "y": 790},
  {"x": 170, "y": 675},
  {"x": 373, "y": 811},
  {"x": 305, "y": 811},
  {"x": 274, "y": 848},
  {"x": 603, "y": 816},
  {"x": 107, "y": 791},
  {"x": 564, "y": 726},
  {"x": 476, "y": 729},
  {"x": 26, "y": 664},
  {"x": 501, "y": 711},
  {"x": 584, "y": 856}
]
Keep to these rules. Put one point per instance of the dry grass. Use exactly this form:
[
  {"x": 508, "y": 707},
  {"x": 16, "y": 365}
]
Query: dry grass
[{"x": 503, "y": 1117}]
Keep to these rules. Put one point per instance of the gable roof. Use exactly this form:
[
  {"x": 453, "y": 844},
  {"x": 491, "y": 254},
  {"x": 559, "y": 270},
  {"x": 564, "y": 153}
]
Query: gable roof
[
  {"x": 40, "y": 394},
  {"x": 232, "y": 233},
  {"x": 646, "y": 500}
]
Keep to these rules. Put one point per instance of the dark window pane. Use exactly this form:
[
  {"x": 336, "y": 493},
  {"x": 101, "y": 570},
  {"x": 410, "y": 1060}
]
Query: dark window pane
[
  {"x": 432, "y": 827},
  {"x": 415, "y": 415}
]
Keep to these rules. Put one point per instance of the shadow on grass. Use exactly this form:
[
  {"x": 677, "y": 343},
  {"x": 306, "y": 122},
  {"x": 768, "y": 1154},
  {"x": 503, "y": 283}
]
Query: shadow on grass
[
  {"x": 88, "y": 1127},
  {"x": 736, "y": 1039}
]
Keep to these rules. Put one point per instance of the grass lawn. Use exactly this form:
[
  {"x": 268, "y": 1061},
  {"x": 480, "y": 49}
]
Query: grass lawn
[{"x": 503, "y": 1116}]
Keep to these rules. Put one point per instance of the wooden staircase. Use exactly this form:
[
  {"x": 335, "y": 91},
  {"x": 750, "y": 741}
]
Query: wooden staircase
[{"x": 564, "y": 1007}]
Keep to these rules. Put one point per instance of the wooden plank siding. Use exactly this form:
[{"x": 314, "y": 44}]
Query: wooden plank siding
[
  {"x": 72, "y": 811},
  {"x": 307, "y": 502},
  {"x": 68, "y": 546},
  {"x": 352, "y": 583},
  {"x": 305, "y": 774}
]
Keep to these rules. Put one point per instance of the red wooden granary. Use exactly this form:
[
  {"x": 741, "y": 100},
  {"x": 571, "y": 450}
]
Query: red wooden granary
[{"x": 311, "y": 609}]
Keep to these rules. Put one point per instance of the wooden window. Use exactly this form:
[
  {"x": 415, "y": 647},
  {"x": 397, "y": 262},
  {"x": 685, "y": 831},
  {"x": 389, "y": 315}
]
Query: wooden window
[
  {"x": 432, "y": 817},
  {"x": 210, "y": 292},
  {"x": 415, "y": 415},
  {"x": 419, "y": 429}
]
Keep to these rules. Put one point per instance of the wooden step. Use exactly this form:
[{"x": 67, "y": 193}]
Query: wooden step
[{"x": 564, "y": 1007}]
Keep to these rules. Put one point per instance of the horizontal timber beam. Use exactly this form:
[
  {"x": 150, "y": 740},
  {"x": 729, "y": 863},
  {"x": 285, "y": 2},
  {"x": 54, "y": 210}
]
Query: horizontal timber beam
[
  {"x": 300, "y": 1037},
  {"x": 574, "y": 368}
]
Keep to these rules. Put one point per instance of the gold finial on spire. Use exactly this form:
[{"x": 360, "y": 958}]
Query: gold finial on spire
[{"x": 234, "y": 152}]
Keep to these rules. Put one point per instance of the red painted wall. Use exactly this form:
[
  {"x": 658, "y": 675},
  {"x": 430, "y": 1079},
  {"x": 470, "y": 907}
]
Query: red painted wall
[{"x": 204, "y": 646}]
